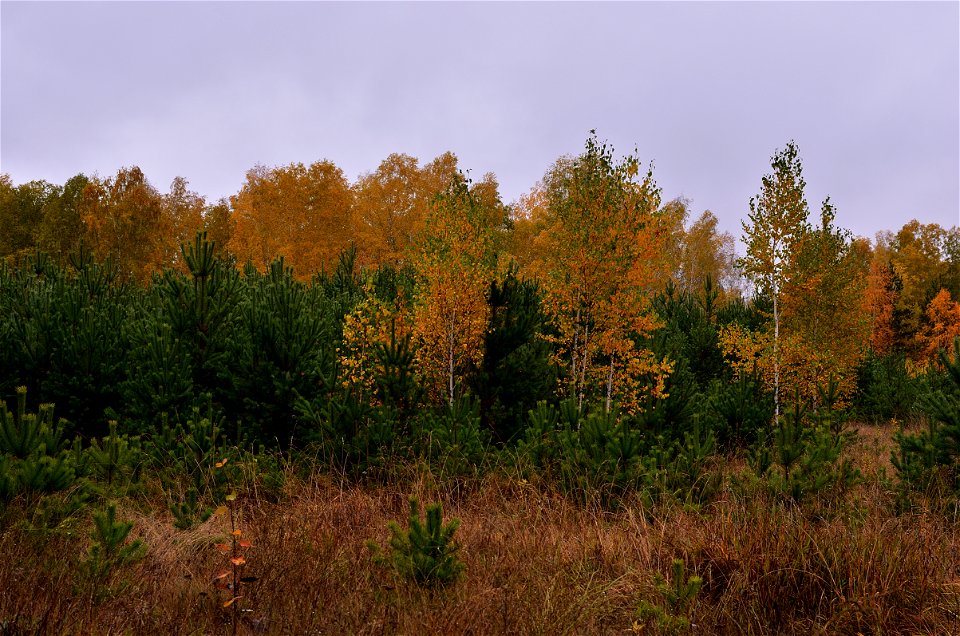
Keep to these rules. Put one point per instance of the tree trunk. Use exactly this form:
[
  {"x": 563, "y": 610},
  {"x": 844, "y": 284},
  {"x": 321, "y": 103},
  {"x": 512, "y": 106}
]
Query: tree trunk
[{"x": 776, "y": 355}]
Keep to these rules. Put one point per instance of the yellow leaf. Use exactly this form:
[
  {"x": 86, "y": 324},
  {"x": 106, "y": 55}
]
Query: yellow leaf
[
  {"x": 220, "y": 510},
  {"x": 230, "y": 602},
  {"x": 232, "y": 496},
  {"x": 236, "y": 533}
]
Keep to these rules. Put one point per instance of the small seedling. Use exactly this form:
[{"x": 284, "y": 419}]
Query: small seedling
[
  {"x": 109, "y": 549},
  {"x": 189, "y": 512},
  {"x": 425, "y": 552},
  {"x": 672, "y": 614},
  {"x": 231, "y": 579}
]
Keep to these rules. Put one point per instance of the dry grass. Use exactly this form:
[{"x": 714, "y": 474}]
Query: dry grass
[{"x": 536, "y": 564}]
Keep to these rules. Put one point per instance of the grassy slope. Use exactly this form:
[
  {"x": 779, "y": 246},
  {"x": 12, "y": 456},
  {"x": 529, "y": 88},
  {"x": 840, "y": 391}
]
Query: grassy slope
[{"x": 536, "y": 564}]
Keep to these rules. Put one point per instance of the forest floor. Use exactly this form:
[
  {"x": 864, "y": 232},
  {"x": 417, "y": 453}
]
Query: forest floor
[{"x": 536, "y": 563}]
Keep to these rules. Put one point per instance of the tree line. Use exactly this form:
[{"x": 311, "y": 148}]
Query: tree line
[{"x": 581, "y": 288}]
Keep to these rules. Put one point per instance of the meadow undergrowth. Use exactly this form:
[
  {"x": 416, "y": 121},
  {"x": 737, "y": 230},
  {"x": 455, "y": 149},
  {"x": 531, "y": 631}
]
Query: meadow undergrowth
[{"x": 535, "y": 562}]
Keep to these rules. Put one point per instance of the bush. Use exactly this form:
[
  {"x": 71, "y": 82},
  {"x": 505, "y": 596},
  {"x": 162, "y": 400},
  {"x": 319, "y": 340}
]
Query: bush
[
  {"x": 885, "y": 390},
  {"x": 932, "y": 457},
  {"x": 424, "y": 553}
]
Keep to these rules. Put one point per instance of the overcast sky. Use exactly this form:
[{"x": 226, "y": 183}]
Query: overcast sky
[{"x": 706, "y": 91}]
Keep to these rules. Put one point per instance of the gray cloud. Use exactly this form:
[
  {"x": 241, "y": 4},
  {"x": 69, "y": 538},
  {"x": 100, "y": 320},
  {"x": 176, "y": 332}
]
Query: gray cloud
[{"x": 708, "y": 91}]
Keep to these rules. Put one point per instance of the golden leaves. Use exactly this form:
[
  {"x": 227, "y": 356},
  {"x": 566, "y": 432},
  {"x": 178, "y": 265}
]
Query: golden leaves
[
  {"x": 942, "y": 326},
  {"x": 455, "y": 266},
  {"x": 599, "y": 256},
  {"x": 302, "y": 213}
]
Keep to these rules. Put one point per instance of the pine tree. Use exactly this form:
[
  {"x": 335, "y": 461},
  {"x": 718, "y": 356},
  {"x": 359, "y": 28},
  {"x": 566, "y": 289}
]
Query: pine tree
[
  {"x": 425, "y": 551},
  {"x": 922, "y": 456}
]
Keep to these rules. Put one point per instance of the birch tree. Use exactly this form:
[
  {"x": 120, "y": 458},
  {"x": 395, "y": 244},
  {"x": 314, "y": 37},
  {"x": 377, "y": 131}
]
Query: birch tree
[
  {"x": 600, "y": 255},
  {"x": 776, "y": 225},
  {"x": 455, "y": 266}
]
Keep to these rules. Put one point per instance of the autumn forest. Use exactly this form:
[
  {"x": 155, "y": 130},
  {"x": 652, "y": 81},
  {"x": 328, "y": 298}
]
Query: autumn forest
[{"x": 611, "y": 420}]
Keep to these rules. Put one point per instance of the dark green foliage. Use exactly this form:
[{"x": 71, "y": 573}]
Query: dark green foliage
[
  {"x": 44, "y": 474},
  {"x": 201, "y": 310},
  {"x": 162, "y": 378},
  {"x": 109, "y": 550},
  {"x": 685, "y": 474},
  {"x": 602, "y": 455},
  {"x": 931, "y": 458},
  {"x": 753, "y": 315},
  {"x": 357, "y": 432},
  {"x": 285, "y": 345},
  {"x": 350, "y": 434},
  {"x": 689, "y": 331},
  {"x": 8, "y": 479},
  {"x": 425, "y": 552},
  {"x": 24, "y": 434},
  {"x": 738, "y": 412},
  {"x": 609, "y": 455},
  {"x": 191, "y": 451},
  {"x": 116, "y": 459},
  {"x": 517, "y": 371},
  {"x": 450, "y": 439},
  {"x": 671, "y": 416},
  {"x": 34, "y": 458},
  {"x": 672, "y": 614},
  {"x": 804, "y": 459},
  {"x": 188, "y": 512},
  {"x": 398, "y": 388},
  {"x": 885, "y": 390},
  {"x": 64, "y": 335}
]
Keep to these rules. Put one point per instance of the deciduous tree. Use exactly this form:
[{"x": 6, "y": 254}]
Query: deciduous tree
[
  {"x": 942, "y": 325},
  {"x": 455, "y": 266},
  {"x": 299, "y": 212},
  {"x": 597, "y": 259},
  {"x": 776, "y": 225},
  {"x": 62, "y": 229},
  {"x": 123, "y": 219},
  {"x": 707, "y": 252},
  {"x": 21, "y": 213},
  {"x": 392, "y": 204}
]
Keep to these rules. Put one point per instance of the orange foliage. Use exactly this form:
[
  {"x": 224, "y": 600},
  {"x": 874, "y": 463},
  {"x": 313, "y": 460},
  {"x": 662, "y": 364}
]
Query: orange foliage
[
  {"x": 802, "y": 368},
  {"x": 392, "y": 204},
  {"x": 298, "y": 212},
  {"x": 942, "y": 326},
  {"x": 707, "y": 252},
  {"x": 455, "y": 266},
  {"x": 879, "y": 300},
  {"x": 598, "y": 256},
  {"x": 124, "y": 220},
  {"x": 183, "y": 210}
]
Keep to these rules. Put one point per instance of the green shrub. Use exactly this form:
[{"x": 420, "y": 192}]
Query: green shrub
[
  {"x": 672, "y": 614},
  {"x": 425, "y": 552},
  {"x": 610, "y": 455},
  {"x": 885, "y": 390},
  {"x": 35, "y": 459},
  {"x": 931, "y": 458},
  {"x": 738, "y": 412},
  {"x": 108, "y": 552},
  {"x": 803, "y": 459},
  {"x": 450, "y": 439}
]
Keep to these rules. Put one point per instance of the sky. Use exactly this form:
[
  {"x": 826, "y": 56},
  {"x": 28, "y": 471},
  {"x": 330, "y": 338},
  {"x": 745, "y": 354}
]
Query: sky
[{"x": 707, "y": 92}]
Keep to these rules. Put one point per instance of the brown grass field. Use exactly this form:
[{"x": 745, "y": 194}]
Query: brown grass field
[{"x": 536, "y": 563}]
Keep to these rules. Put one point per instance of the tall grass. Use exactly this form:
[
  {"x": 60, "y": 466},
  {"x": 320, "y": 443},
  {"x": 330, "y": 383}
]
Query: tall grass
[{"x": 536, "y": 563}]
